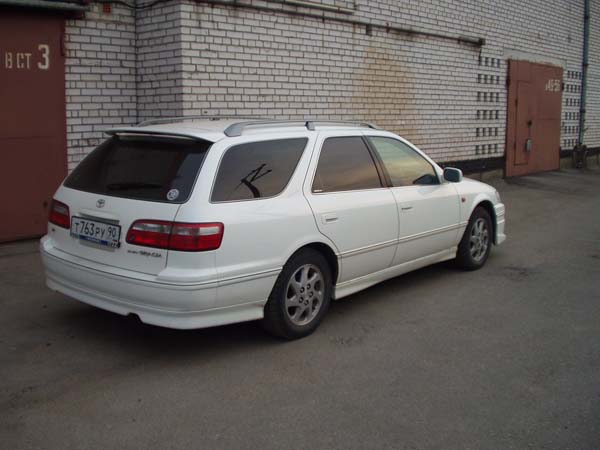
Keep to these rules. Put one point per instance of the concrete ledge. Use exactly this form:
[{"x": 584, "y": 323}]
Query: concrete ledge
[
  {"x": 486, "y": 176},
  {"x": 591, "y": 161},
  {"x": 19, "y": 248}
]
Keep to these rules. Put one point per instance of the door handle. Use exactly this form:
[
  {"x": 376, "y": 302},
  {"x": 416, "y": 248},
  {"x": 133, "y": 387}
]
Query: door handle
[
  {"x": 406, "y": 208},
  {"x": 329, "y": 218}
]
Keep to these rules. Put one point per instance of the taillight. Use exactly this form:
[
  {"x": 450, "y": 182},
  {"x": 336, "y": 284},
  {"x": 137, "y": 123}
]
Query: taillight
[
  {"x": 186, "y": 237},
  {"x": 59, "y": 214},
  {"x": 196, "y": 237},
  {"x": 150, "y": 233}
]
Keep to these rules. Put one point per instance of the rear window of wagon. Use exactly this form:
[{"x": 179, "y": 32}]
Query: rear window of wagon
[{"x": 162, "y": 169}]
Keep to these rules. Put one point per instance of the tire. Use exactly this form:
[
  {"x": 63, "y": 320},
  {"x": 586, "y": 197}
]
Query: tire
[
  {"x": 476, "y": 243},
  {"x": 300, "y": 297}
]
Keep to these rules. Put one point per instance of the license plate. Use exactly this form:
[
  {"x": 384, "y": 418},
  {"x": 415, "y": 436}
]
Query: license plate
[{"x": 99, "y": 232}]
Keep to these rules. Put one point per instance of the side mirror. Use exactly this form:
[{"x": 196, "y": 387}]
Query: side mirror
[{"x": 453, "y": 175}]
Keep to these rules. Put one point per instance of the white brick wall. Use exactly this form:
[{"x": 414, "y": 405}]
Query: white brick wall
[
  {"x": 447, "y": 97},
  {"x": 159, "y": 69},
  {"x": 431, "y": 91},
  {"x": 100, "y": 77},
  {"x": 592, "y": 135}
]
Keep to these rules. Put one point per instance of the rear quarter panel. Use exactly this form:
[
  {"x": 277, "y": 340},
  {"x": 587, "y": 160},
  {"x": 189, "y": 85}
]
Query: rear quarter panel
[{"x": 260, "y": 234}]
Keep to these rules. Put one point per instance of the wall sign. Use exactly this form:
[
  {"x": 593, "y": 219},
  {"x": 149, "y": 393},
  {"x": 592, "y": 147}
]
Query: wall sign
[
  {"x": 553, "y": 85},
  {"x": 21, "y": 60}
]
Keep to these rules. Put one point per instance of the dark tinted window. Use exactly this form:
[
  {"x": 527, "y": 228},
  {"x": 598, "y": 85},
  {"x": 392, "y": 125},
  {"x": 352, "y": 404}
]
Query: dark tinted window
[
  {"x": 257, "y": 169},
  {"x": 145, "y": 168},
  {"x": 404, "y": 165},
  {"x": 345, "y": 164}
]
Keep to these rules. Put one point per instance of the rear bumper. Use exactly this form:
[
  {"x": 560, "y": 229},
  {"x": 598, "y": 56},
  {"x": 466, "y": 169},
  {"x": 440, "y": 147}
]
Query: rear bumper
[
  {"x": 500, "y": 223},
  {"x": 157, "y": 303}
]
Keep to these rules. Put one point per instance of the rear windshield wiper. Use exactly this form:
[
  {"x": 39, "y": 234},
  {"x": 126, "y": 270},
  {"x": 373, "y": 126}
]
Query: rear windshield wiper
[
  {"x": 132, "y": 185},
  {"x": 254, "y": 175}
]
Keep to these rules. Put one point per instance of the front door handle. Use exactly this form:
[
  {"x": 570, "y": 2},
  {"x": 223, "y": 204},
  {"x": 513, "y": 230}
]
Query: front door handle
[
  {"x": 329, "y": 218},
  {"x": 406, "y": 208}
]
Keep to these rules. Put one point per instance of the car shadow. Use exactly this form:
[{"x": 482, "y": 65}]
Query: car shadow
[
  {"x": 103, "y": 331},
  {"x": 380, "y": 293},
  {"x": 88, "y": 323}
]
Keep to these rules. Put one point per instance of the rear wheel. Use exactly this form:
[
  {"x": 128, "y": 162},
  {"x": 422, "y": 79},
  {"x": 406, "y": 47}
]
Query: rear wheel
[
  {"x": 300, "y": 297},
  {"x": 476, "y": 243}
]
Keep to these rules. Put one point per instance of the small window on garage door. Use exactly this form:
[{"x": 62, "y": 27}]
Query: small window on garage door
[
  {"x": 345, "y": 164},
  {"x": 257, "y": 169}
]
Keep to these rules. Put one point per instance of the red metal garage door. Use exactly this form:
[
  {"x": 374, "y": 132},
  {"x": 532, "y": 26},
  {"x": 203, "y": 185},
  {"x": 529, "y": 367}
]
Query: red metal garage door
[
  {"x": 33, "y": 157},
  {"x": 533, "y": 121}
]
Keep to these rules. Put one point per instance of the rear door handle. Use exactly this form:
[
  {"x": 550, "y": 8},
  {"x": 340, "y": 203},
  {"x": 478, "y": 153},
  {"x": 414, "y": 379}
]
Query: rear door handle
[
  {"x": 329, "y": 217},
  {"x": 406, "y": 208}
]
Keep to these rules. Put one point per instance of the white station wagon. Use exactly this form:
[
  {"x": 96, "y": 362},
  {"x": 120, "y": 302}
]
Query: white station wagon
[{"x": 191, "y": 223}]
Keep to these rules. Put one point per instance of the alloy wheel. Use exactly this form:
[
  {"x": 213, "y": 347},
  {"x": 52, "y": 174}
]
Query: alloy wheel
[
  {"x": 479, "y": 240},
  {"x": 304, "y": 294}
]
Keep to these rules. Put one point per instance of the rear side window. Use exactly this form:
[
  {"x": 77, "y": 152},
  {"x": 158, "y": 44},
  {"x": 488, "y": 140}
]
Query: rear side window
[
  {"x": 404, "y": 165},
  {"x": 345, "y": 164},
  {"x": 257, "y": 169},
  {"x": 144, "y": 168}
]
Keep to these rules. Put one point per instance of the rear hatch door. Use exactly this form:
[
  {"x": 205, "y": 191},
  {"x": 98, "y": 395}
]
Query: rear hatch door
[{"x": 127, "y": 178}]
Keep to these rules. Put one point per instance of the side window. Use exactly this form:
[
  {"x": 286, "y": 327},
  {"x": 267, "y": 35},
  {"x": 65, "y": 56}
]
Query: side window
[
  {"x": 404, "y": 165},
  {"x": 345, "y": 164},
  {"x": 257, "y": 169}
]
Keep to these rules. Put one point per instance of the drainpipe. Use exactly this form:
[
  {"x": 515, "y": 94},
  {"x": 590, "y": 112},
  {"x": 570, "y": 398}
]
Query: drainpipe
[
  {"x": 584, "y": 71},
  {"x": 369, "y": 26}
]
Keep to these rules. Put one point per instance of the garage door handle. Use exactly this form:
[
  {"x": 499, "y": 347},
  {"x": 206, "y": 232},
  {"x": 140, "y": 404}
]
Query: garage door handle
[{"x": 329, "y": 218}]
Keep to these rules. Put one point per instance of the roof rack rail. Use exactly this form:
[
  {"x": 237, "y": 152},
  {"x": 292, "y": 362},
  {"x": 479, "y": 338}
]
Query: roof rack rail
[
  {"x": 236, "y": 129},
  {"x": 194, "y": 117}
]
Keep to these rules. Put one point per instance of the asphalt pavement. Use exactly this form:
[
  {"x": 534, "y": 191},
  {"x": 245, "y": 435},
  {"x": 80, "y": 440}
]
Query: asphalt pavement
[{"x": 507, "y": 357}]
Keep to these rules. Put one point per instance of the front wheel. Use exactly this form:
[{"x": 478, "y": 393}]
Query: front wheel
[
  {"x": 476, "y": 243},
  {"x": 300, "y": 297}
]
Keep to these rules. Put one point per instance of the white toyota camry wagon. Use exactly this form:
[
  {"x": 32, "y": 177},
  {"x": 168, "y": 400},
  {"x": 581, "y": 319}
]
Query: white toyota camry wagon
[{"x": 190, "y": 223}]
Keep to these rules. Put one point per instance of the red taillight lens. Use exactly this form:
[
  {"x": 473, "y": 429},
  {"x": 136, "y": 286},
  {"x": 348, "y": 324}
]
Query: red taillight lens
[
  {"x": 59, "y": 214},
  {"x": 150, "y": 233},
  {"x": 186, "y": 237},
  {"x": 196, "y": 237}
]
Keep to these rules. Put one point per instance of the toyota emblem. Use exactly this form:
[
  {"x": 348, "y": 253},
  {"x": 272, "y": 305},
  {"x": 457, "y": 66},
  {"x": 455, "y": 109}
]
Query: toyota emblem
[{"x": 100, "y": 203}]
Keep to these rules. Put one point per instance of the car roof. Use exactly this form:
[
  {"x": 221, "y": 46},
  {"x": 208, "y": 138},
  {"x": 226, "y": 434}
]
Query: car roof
[{"x": 215, "y": 129}]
